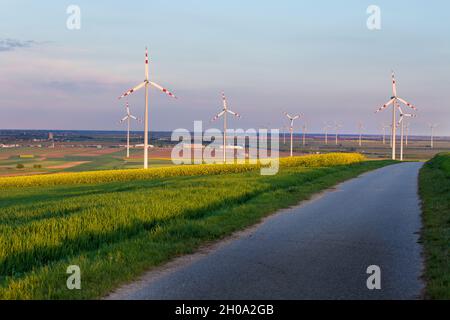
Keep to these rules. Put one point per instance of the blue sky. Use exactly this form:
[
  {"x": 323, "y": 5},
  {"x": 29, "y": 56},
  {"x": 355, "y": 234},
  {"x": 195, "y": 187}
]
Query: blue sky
[{"x": 313, "y": 57}]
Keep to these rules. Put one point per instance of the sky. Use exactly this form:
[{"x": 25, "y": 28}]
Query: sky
[{"x": 317, "y": 58}]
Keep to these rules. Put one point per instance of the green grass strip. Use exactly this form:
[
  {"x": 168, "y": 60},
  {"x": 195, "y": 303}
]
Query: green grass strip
[{"x": 434, "y": 186}]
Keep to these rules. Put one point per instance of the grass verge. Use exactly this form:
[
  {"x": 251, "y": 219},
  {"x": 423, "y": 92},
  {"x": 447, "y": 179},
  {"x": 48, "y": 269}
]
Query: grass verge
[
  {"x": 434, "y": 188},
  {"x": 115, "y": 231}
]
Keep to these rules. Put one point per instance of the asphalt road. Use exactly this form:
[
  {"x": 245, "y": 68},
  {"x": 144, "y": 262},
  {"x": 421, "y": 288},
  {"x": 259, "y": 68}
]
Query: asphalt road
[{"x": 318, "y": 250}]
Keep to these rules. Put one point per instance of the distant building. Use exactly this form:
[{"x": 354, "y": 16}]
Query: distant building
[{"x": 50, "y": 136}]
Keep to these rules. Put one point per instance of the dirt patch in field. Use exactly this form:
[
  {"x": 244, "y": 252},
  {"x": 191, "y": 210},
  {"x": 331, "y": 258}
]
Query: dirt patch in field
[
  {"x": 161, "y": 153},
  {"x": 68, "y": 165},
  {"x": 62, "y": 152}
]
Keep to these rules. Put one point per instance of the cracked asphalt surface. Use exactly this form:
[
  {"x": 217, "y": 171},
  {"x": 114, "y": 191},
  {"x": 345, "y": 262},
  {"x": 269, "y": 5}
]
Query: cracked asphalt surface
[{"x": 319, "y": 249}]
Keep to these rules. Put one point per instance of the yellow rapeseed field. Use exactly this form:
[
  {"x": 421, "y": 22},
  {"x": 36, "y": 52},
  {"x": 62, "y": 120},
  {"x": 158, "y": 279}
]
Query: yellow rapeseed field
[{"x": 323, "y": 160}]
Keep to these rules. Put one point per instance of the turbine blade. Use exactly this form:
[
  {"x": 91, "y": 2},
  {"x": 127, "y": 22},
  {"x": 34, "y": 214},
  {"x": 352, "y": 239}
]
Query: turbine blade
[
  {"x": 132, "y": 90},
  {"x": 385, "y": 105},
  {"x": 234, "y": 113},
  {"x": 394, "y": 85},
  {"x": 124, "y": 118},
  {"x": 287, "y": 115},
  {"x": 163, "y": 89},
  {"x": 224, "y": 99},
  {"x": 133, "y": 117},
  {"x": 146, "y": 63},
  {"x": 218, "y": 116},
  {"x": 407, "y": 103}
]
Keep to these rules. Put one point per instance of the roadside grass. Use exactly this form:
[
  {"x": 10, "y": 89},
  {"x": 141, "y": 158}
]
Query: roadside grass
[
  {"x": 117, "y": 230},
  {"x": 434, "y": 188}
]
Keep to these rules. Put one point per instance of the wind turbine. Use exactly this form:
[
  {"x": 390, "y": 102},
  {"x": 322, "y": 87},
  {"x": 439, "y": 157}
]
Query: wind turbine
[
  {"x": 401, "y": 122},
  {"x": 432, "y": 127},
  {"x": 360, "y": 128},
  {"x": 305, "y": 128},
  {"x": 392, "y": 102},
  {"x": 407, "y": 133},
  {"x": 384, "y": 127},
  {"x": 327, "y": 126},
  {"x": 145, "y": 84},
  {"x": 128, "y": 117},
  {"x": 223, "y": 113},
  {"x": 291, "y": 128},
  {"x": 337, "y": 126},
  {"x": 390, "y": 136},
  {"x": 284, "y": 134}
]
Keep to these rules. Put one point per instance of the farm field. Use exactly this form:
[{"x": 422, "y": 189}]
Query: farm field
[
  {"x": 116, "y": 227},
  {"x": 434, "y": 182},
  {"x": 45, "y": 160}
]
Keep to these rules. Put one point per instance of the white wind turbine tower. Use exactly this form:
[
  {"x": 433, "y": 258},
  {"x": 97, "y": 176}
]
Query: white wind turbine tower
[
  {"x": 392, "y": 102},
  {"x": 223, "y": 113},
  {"x": 128, "y": 117},
  {"x": 401, "y": 122},
  {"x": 291, "y": 128},
  {"x": 407, "y": 133},
  {"x": 327, "y": 126},
  {"x": 360, "y": 128},
  {"x": 336, "y": 127},
  {"x": 145, "y": 84},
  {"x": 390, "y": 136},
  {"x": 284, "y": 133},
  {"x": 384, "y": 127},
  {"x": 432, "y": 127},
  {"x": 305, "y": 129}
]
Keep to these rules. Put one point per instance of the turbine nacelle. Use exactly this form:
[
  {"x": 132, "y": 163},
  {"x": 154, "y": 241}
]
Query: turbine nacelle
[
  {"x": 292, "y": 118},
  {"x": 402, "y": 115},
  {"x": 225, "y": 110},
  {"x": 395, "y": 97},
  {"x": 146, "y": 83},
  {"x": 129, "y": 115}
]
